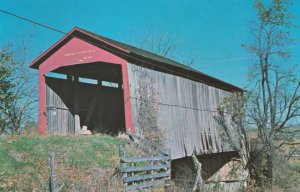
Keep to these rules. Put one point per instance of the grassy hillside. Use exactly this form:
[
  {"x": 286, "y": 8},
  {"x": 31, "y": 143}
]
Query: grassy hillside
[
  {"x": 82, "y": 163},
  {"x": 85, "y": 163}
]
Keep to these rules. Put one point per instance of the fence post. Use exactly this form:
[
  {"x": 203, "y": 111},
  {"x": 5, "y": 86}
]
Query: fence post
[
  {"x": 52, "y": 173},
  {"x": 122, "y": 164}
]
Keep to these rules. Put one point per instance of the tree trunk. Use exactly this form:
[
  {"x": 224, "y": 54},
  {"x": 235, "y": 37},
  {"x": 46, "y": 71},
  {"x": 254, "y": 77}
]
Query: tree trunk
[
  {"x": 270, "y": 168},
  {"x": 199, "y": 180}
]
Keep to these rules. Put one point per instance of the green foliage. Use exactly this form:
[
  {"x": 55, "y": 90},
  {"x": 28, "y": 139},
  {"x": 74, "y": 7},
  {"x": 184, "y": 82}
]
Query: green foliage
[
  {"x": 24, "y": 164},
  {"x": 6, "y": 85},
  {"x": 296, "y": 166},
  {"x": 7, "y": 96},
  {"x": 275, "y": 14}
]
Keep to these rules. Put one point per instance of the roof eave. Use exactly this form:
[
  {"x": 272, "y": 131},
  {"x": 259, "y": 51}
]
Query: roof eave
[{"x": 218, "y": 83}]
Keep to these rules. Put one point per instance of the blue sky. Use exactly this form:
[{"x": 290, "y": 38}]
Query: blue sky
[{"x": 211, "y": 30}]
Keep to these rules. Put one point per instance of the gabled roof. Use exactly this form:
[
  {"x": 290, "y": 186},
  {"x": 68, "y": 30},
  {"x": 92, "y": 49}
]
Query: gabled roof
[
  {"x": 130, "y": 52},
  {"x": 141, "y": 52}
]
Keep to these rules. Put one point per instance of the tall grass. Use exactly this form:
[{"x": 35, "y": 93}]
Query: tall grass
[{"x": 81, "y": 162}]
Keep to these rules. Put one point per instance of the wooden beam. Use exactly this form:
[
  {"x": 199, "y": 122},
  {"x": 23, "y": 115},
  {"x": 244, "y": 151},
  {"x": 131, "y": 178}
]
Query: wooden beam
[
  {"x": 145, "y": 168},
  {"x": 144, "y": 177},
  {"x": 145, "y": 185},
  {"x": 76, "y": 105},
  {"x": 142, "y": 159}
]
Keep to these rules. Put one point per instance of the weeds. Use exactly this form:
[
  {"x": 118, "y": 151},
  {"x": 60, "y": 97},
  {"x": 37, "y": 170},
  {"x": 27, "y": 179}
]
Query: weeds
[{"x": 81, "y": 162}]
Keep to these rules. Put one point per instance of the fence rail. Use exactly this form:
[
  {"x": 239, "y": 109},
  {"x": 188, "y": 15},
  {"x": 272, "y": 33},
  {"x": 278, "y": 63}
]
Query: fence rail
[{"x": 144, "y": 172}]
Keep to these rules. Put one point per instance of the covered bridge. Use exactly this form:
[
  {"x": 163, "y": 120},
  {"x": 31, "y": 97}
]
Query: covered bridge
[{"x": 89, "y": 80}]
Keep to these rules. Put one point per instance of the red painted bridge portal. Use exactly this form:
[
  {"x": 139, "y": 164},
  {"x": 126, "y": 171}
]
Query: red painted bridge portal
[{"x": 68, "y": 104}]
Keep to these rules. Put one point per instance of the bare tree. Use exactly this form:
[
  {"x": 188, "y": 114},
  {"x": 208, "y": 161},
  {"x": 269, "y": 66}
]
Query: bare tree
[
  {"x": 21, "y": 108},
  {"x": 231, "y": 116},
  {"x": 165, "y": 44},
  {"x": 273, "y": 100}
]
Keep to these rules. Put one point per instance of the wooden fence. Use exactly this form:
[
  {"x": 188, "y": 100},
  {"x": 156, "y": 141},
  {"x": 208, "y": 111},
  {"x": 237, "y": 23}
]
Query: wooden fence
[
  {"x": 144, "y": 172},
  {"x": 52, "y": 178}
]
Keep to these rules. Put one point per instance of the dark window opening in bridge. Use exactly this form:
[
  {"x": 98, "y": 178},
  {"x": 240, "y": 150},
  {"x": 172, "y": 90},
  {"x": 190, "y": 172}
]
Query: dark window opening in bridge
[
  {"x": 110, "y": 84},
  {"x": 89, "y": 81},
  {"x": 56, "y": 75}
]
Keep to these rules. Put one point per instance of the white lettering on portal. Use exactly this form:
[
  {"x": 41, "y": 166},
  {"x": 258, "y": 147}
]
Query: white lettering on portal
[{"x": 81, "y": 53}]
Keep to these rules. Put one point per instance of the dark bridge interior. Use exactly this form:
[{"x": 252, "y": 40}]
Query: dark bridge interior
[{"x": 88, "y": 95}]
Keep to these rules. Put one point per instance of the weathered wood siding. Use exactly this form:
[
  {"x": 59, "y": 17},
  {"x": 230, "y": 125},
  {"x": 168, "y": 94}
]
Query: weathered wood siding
[
  {"x": 60, "y": 121},
  {"x": 186, "y": 111}
]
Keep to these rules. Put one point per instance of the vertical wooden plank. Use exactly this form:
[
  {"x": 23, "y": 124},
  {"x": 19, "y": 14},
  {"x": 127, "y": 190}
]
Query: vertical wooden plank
[
  {"x": 169, "y": 162},
  {"x": 76, "y": 105},
  {"x": 48, "y": 109},
  {"x": 122, "y": 164},
  {"x": 70, "y": 117}
]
